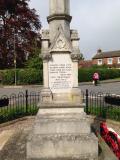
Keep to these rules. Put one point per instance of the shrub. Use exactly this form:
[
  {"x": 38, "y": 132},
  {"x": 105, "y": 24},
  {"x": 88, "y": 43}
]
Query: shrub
[
  {"x": 29, "y": 76},
  {"x": 7, "y": 114},
  {"x": 85, "y": 74},
  {"x": 35, "y": 76},
  {"x": 35, "y": 62},
  {"x": 8, "y": 77},
  {"x": 24, "y": 76}
]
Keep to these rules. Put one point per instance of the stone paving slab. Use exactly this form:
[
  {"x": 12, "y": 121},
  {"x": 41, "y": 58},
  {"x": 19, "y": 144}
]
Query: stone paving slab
[
  {"x": 4, "y": 137},
  {"x": 15, "y": 149},
  {"x": 15, "y": 146}
]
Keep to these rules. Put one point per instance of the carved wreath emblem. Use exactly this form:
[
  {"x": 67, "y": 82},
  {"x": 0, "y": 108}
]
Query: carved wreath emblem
[{"x": 60, "y": 44}]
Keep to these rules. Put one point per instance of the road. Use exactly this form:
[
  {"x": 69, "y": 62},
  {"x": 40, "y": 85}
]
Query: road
[
  {"x": 19, "y": 90},
  {"x": 113, "y": 88}
]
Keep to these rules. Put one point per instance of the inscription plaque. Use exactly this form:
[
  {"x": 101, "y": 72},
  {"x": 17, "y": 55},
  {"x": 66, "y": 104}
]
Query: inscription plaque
[{"x": 60, "y": 74}]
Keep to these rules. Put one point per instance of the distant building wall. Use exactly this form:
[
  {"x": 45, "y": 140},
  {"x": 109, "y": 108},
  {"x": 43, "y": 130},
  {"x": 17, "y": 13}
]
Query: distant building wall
[{"x": 111, "y": 59}]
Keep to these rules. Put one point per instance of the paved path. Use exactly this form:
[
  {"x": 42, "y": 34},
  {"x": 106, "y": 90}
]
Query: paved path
[
  {"x": 4, "y": 137},
  {"x": 113, "y": 88}
]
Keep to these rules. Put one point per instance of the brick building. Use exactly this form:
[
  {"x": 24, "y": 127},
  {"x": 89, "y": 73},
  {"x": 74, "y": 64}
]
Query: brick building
[
  {"x": 111, "y": 58},
  {"x": 85, "y": 63}
]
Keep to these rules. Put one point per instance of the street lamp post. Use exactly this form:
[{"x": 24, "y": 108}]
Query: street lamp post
[
  {"x": 1, "y": 35},
  {"x": 15, "y": 58}
]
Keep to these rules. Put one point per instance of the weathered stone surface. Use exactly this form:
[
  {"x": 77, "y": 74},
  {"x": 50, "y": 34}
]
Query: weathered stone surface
[
  {"x": 15, "y": 149},
  {"x": 60, "y": 54},
  {"x": 58, "y": 7},
  {"x": 59, "y": 15},
  {"x": 61, "y": 134},
  {"x": 60, "y": 43},
  {"x": 61, "y": 130},
  {"x": 63, "y": 146},
  {"x": 60, "y": 104},
  {"x": 60, "y": 74},
  {"x": 46, "y": 95},
  {"x": 62, "y": 120}
]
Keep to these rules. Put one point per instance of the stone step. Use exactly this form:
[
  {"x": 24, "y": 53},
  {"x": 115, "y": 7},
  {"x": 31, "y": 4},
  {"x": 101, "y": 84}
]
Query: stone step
[
  {"x": 66, "y": 121},
  {"x": 60, "y": 146},
  {"x": 62, "y": 133},
  {"x": 63, "y": 126}
]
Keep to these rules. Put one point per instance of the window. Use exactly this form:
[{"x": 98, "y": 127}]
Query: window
[
  {"x": 99, "y": 61},
  {"x": 118, "y": 60},
  {"x": 110, "y": 61}
]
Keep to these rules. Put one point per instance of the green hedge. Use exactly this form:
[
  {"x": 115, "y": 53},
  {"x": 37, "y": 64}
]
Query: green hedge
[
  {"x": 30, "y": 76},
  {"x": 35, "y": 76},
  {"x": 24, "y": 76},
  {"x": 86, "y": 75},
  {"x": 13, "y": 113},
  {"x": 7, "y": 76}
]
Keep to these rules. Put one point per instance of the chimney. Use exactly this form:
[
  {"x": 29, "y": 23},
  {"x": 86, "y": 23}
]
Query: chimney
[{"x": 99, "y": 51}]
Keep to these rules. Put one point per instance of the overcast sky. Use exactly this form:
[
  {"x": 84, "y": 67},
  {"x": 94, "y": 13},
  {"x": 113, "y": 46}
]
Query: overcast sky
[{"x": 97, "y": 21}]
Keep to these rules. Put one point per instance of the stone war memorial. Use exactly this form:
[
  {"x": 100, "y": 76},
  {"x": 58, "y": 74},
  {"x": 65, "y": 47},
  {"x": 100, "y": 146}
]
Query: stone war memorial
[{"x": 61, "y": 129}]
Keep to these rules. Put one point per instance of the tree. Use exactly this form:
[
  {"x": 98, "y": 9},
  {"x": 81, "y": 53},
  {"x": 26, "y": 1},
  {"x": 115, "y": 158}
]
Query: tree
[
  {"x": 35, "y": 61},
  {"x": 82, "y": 56},
  {"x": 19, "y": 30}
]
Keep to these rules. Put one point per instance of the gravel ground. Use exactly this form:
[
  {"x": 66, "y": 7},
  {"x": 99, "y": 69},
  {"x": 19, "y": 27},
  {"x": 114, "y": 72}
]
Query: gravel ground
[{"x": 15, "y": 149}]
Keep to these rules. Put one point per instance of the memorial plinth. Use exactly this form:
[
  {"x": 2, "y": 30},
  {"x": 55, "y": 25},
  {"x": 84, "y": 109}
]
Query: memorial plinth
[
  {"x": 60, "y": 66},
  {"x": 61, "y": 129},
  {"x": 62, "y": 134}
]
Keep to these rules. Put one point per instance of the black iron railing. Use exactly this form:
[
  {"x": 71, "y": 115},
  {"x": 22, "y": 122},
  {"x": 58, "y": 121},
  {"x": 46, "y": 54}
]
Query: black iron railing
[
  {"x": 25, "y": 103},
  {"x": 17, "y": 106},
  {"x": 102, "y": 105}
]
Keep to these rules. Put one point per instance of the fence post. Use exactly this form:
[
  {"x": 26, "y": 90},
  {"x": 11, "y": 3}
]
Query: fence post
[
  {"x": 87, "y": 101},
  {"x": 26, "y": 100}
]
